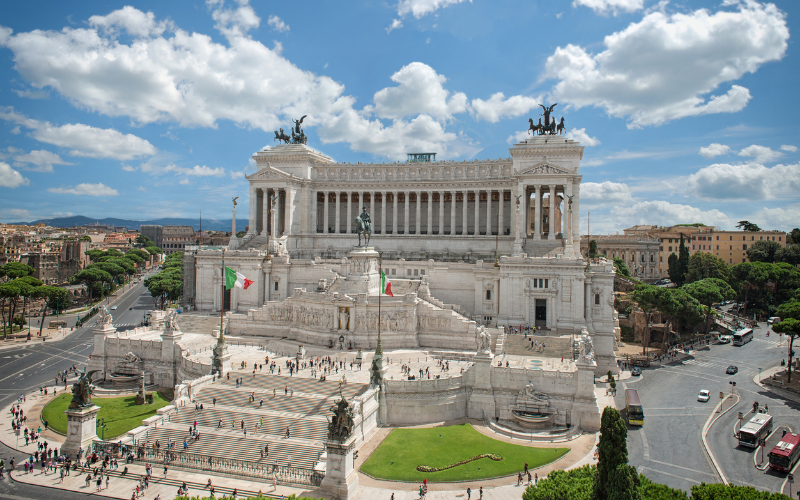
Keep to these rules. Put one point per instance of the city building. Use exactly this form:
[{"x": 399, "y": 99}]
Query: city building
[
  {"x": 176, "y": 238},
  {"x": 45, "y": 264},
  {"x": 731, "y": 246},
  {"x": 153, "y": 232},
  {"x": 640, "y": 252},
  {"x": 670, "y": 240}
]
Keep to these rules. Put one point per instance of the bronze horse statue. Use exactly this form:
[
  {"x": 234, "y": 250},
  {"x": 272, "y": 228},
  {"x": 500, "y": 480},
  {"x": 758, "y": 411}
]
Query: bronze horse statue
[
  {"x": 533, "y": 129},
  {"x": 363, "y": 227},
  {"x": 282, "y": 137},
  {"x": 561, "y": 127}
]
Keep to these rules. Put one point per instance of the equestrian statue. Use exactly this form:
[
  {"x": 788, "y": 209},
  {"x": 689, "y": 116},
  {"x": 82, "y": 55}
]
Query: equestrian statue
[
  {"x": 340, "y": 427},
  {"x": 282, "y": 137},
  {"x": 363, "y": 226},
  {"x": 82, "y": 391},
  {"x": 298, "y": 136},
  {"x": 548, "y": 127}
]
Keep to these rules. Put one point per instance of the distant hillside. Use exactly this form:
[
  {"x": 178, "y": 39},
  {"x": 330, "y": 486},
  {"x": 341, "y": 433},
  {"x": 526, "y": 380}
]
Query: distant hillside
[{"x": 80, "y": 220}]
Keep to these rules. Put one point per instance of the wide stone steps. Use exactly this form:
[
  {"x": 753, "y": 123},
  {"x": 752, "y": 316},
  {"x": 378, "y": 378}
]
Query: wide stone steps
[
  {"x": 241, "y": 399},
  {"x": 266, "y": 382},
  {"x": 290, "y": 453},
  {"x": 555, "y": 347},
  {"x": 308, "y": 427}
]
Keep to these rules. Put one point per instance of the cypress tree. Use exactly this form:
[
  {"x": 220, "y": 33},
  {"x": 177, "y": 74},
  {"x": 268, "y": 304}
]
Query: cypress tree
[{"x": 610, "y": 481}]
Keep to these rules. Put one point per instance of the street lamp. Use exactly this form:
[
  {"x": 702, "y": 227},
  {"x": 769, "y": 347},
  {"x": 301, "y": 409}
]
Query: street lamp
[{"x": 102, "y": 425}]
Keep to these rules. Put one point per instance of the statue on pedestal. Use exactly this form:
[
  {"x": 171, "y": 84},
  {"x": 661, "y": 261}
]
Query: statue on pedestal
[
  {"x": 82, "y": 391},
  {"x": 363, "y": 226},
  {"x": 104, "y": 317},
  {"x": 484, "y": 340},
  {"x": 340, "y": 427}
]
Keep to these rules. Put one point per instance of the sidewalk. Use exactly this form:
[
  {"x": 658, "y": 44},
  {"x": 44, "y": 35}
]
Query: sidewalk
[
  {"x": 49, "y": 335},
  {"x": 765, "y": 374}
]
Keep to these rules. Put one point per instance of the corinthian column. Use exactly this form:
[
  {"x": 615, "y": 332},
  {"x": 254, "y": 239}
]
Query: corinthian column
[
  {"x": 419, "y": 208},
  {"x": 552, "y": 229},
  {"x": 348, "y": 226},
  {"x": 338, "y": 229}
]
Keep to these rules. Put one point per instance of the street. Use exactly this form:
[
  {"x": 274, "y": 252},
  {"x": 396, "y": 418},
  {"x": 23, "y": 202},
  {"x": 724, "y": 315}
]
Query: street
[
  {"x": 24, "y": 368},
  {"x": 668, "y": 448}
]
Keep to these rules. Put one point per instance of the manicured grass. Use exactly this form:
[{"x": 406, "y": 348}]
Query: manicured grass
[
  {"x": 404, "y": 449},
  {"x": 120, "y": 414}
]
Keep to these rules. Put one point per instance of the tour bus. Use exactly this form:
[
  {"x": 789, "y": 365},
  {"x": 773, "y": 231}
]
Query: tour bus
[
  {"x": 786, "y": 452},
  {"x": 633, "y": 407},
  {"x": 751, "y": 433},
  {"x": 743, "y": 336}
]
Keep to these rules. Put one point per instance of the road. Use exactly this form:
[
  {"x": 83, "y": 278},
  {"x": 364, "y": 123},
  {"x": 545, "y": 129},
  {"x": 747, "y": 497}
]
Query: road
[
  {"x": 668, "y": 448},
  {"x": 23, "y": 369}
]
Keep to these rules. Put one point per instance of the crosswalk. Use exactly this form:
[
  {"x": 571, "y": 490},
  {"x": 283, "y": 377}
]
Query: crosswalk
[
  {"x": 707, "y": 364},
  {"x": 775, "y": 343},
  {"x": 125, "y": 325}
]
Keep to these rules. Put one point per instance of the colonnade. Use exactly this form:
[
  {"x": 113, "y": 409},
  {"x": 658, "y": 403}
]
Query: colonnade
[
  {"x": 271, "y": 218},
  {"x": 536, "y": 226},
  {"x": 417, "y": 212}
]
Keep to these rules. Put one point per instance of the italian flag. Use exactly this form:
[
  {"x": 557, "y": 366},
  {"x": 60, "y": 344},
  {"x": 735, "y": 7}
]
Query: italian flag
[
  {"x": 386, "y": 285},
  {"x": 232, "y": 279}
]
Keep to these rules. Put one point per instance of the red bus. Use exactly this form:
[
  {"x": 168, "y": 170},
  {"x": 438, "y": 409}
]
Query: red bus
[{"x": 786, "y": 452}]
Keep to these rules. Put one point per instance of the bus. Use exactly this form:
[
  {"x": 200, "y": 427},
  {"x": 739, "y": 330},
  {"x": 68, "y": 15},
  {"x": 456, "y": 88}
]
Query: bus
[
  {"x": 633, "y": 407},
  {"x": 786, "y": 452},
  {"x": 743, "y": 336},
  {"x": 758, "y": 428}
]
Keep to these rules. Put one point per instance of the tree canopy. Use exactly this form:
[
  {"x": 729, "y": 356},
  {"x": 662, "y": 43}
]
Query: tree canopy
[
  {"x": 706, "y": 265},
  {"x": 763, "y": 251},
  {"x": 789, "y": 312},
  {"x": 745, "y": 225},
  {"x": 707, "y": 292},
  {"x": 621, "y": 268}
]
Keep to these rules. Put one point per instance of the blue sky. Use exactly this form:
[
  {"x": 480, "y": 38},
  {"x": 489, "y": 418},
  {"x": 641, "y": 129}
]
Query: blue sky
[{"x": 150, "y": 109}]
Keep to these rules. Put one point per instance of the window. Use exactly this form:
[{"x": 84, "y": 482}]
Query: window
[
  {"x": 670, "y": 249},
  {"x": 779, "y": 238},
  {"x": 597, "y": 299},
  {"x": 276, "y": 286},
  {"x": 652, "y": 258},
  {"x": 761, "y": 238},
  {"x": 717, "y": 237},
  {"x": 546, "y": 283},
  {"x": 717, "y": 247},
  {"x": 422, "y": 272},
  {"x": 744, "y": 247},
  {"x": 408, "y": 272},
  {"x": 731, "y": 247},
  {"x": 394, "y": 271},
  {"x": 731, "y": 236},
  {"x": 488, "y": 295}
]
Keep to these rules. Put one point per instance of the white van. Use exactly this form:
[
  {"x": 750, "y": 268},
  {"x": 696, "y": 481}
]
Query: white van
[{"x": 773, "y": 319}]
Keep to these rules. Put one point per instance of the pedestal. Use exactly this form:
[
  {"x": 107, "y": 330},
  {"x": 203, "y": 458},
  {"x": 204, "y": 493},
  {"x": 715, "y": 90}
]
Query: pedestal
[
  {"x": 341, "y": 478},
  {"x": 222, "y": 359},
  {"x": 481, "y": 401},
  {"x": 97, "y": 360},
  {"x": 81, "y": 430},
  {"x": 363, "y": 275}
]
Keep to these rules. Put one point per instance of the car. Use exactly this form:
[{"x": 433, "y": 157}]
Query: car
[
  {"x": 704, "y": 396},
  {"x": 773, "y": 320},
  {"x": 113, "y": 308},
  {"x": 732, "y": 370},
  {"x": 636, "y": 371},
  {"x": 725, "y": 339}
]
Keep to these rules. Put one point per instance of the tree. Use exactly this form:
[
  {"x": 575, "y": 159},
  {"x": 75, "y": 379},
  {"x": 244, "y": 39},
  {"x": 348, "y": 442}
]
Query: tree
[
  {"x": 793, "y": 238},
  {"x": 763, "y": 251},
  {"x": 705, "y": 265},
  {"x": 683, "y": 263},
  {"x": 751, "y": 275},
  {"x": 789, "y": 254},
  {"x": 8, "y": 293},
  {"x": 240, "y": 234},
  {"x": 139, "y": 253},
  {"x": 144, "y": 241},
  {"x": 621, "y": 268},
  {"x": 90, "y": 277},
  {"x": 592, "y": 249},
  {"x": 113, "y": 269},
  {"x": 745, "y": 225},
  {"x": 647, "y": 297},
  {"x": 677, "y": 305},
  {"x": 51, "y": 295},
  {"x": 673, "y": 268},
  {"x": 609, "y": 480},
  {"x": 707, "y": 292},
  {"x": 86, "y": 238},
  {"x": 14, "y": 270},
  {"x": 789, "y": 312},
  {"x": 153, "y": 250},
  {"x": 94, "y": 255}
]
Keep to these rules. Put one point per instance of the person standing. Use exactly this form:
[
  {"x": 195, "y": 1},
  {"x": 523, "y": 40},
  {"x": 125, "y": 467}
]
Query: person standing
[{"x": 469, "y": 492}]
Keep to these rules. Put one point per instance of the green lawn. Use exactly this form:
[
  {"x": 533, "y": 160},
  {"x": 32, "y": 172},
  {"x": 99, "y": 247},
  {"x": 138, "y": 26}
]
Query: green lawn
[
  {"x": 404, "y": 449},
  {"x": 120, "y": 414}
]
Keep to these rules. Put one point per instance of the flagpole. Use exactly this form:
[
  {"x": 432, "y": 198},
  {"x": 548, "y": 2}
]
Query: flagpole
[
  {"x": 379, "y": 350},
  {"x": 222, "y": 300}
]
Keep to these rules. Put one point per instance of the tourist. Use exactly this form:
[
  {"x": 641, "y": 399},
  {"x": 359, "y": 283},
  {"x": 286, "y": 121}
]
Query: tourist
[{"x": 469, "y": 492}]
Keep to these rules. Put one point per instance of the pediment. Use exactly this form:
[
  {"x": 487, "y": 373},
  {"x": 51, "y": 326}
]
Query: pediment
[
  {"x": 544, "y": 168},
  {"x": 269, "y": 173}
]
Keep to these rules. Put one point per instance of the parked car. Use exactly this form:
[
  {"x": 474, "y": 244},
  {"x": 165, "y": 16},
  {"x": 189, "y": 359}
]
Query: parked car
[
  {"x": 636, "y": 371},
  {"x": 113, "y": 308},
  {"x": 773, "y": 319},
  {"x": 704, "y": 396},
  {"x": 732, "y": 370},
  {"x": 725, "y": 339}
]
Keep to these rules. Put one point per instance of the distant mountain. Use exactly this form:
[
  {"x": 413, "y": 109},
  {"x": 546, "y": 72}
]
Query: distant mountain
[{"x": 80, "y": 220}]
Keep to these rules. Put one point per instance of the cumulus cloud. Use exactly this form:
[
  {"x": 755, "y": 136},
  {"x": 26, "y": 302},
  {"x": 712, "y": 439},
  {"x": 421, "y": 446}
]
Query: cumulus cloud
[
  {"x": 128, "y": 168},
  {"x": 39, "y": 160},
  {"x": 421, "y": 8},
  {"x": 396, "y": 23},
  {"x": 605, "y": 193},
  {"x": 184, "y": 181},
  {"x": 497, "y": 107},
  {"x": 664, "y": 213},
  {"x": 781, "y": 218},
  {"x": 750, "y": 181},
  {"x": 277, "y": 24},
  {"x": 86, "y": 189},
  {"x": 663, "y": 67},
  {"x": 789, "y": 148},
  {"x": 714, "y": 149},
  {"x": 611, "y": 6},
  {"x": 10, "y": 178},
  {"x": 189, "y": 79},
  {"x": 420, "y": 91},
  {"x": 762, "y": 154},
  {"x": 580, "y": 135},
  {"x": 196, "y": 171},
  {"x": 83, "y": 140},
  {"x": 518, "y": 137}
]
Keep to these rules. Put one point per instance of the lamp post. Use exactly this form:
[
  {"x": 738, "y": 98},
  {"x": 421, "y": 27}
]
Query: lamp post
[{"x": 29, "y": 315}]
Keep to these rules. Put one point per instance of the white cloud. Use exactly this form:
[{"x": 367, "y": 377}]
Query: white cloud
[
  {"x": 612, "y": 6},
  {"x": 663, "y": 67},
  {"x": 714, "y": 149},
  {"x": 196, "y": 171},
  {"x": 421, "y": 8},
  {"x": 141, "y": 188},
  {"x": 10, "y": 178},
  {"x": 128, "y": 168},
  {"x": 420, "y": 91},
  {"x": 16, "y": 214},
  {"x": 396, "y": 23},
  {"x": 32, "y": 94},
  {"x": 189, "y": 79},
  {"x": 86, "y": 189},
  {"x": 277, "y": 24},
  {"x": 664, "y": 213},
  {"x": 498, "y": 107},
  {"x": 762, "y": 154},
  {"x": 518, "y": 137},
  {"x": 751, "y": 181},
  {"x": 184, "y": 181},
  {"x": 83, "y": 140},
  {"x": 781, "y": 218},
  {"x": 789, "y": 148},
  {"x": 41, "y": 160},
  {"x": 16, "y": 130},
  {"x": 238, "y": 174},
  {"x": 605, "y": 193},
  {"x": 580, "y": 135}
]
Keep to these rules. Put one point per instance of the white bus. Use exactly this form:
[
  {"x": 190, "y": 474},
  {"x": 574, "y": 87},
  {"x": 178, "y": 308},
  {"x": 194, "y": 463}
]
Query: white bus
[
  {"x": 758, "y": 428},
  {"x": 743, "y": 336}
]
